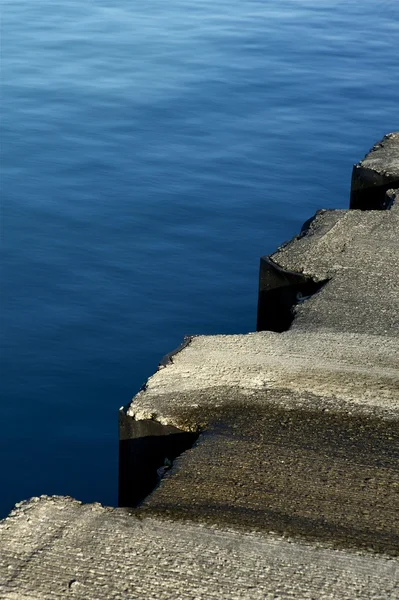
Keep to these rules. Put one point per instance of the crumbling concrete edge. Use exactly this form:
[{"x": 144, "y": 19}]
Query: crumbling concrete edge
[{"x": 168, "y": 358}]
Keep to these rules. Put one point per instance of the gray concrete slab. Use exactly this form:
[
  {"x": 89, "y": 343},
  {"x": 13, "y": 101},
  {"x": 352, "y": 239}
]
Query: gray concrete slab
[
  {"x": 300, "y": 435},
  {"x": 55, "y": 548},
  {"x": 351, "y": 373},
  {"x": 358, "y": 252}
]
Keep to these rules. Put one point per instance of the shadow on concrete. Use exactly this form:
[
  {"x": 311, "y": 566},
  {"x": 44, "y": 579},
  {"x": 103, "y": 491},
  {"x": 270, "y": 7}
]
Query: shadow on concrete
[
  {"x": 369, "y": 192},
  {"x": 314, "y": 473},
  {"x": 279, "y": 292}
]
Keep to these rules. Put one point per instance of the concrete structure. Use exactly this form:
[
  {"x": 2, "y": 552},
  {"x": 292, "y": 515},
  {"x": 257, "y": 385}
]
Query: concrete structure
[
  {"x": 56, "y": 548},
  {"x": 272, "y": 456}
]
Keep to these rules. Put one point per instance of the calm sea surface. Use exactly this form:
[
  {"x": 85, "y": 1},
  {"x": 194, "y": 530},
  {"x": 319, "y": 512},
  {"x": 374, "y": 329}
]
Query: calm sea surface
[{"x": 150, "y": 153}]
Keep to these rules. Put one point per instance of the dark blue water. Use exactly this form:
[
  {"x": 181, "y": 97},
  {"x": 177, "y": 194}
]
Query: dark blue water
[{"x": 150, "y": 153}]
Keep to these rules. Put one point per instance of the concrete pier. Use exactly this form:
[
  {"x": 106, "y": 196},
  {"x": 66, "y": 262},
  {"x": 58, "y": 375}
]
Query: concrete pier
[{"x": 254, "y": 466}]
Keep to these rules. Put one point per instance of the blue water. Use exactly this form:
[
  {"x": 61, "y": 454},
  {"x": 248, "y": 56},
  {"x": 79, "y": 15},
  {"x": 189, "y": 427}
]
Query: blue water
[{"x": 150, "y": 153}]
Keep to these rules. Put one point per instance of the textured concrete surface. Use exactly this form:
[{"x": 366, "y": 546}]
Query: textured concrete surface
[
  {"x": 57, "y": 548},
  {"x": 359, "y": 253},
  {"x": 375, "y": 174},
  {"x": 350, "y": 373},
  {"x": 300, "y": 435}
]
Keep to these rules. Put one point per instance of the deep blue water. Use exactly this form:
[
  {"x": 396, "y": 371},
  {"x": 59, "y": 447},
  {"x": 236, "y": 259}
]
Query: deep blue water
[{"x": 150, "y": 153}]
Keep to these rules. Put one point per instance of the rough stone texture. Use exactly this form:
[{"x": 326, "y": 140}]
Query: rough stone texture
[
  {"x": 57, "y": 548},
  {"x": 300, "y": 435},
  {"x": 351, "y": 373},
  {"x": 359, "y": 252},
  {"x": 375, "y": 174}
]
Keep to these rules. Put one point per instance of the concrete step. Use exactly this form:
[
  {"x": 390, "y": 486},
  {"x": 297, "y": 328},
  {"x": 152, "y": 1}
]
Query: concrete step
[
  {"x": 299, "y": 435},
  {"x": 59, "y": 548}
]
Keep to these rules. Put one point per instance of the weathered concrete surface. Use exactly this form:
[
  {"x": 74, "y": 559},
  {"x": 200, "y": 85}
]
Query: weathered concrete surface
[
  {"x": 349, "y": 373},
  {"x": 57, "y": 548},
  {"x": 300, "y": 435},
  {"x": 359, "y": 253},
  {"x": 376, "y": 173}
]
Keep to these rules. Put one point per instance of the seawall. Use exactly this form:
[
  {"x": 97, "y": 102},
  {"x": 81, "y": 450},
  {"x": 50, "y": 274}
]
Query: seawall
[{"x": 254, "y": 466}]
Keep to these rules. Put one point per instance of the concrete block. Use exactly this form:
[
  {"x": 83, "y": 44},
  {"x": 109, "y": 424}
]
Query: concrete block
[{"x": 58, "y": 548}]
